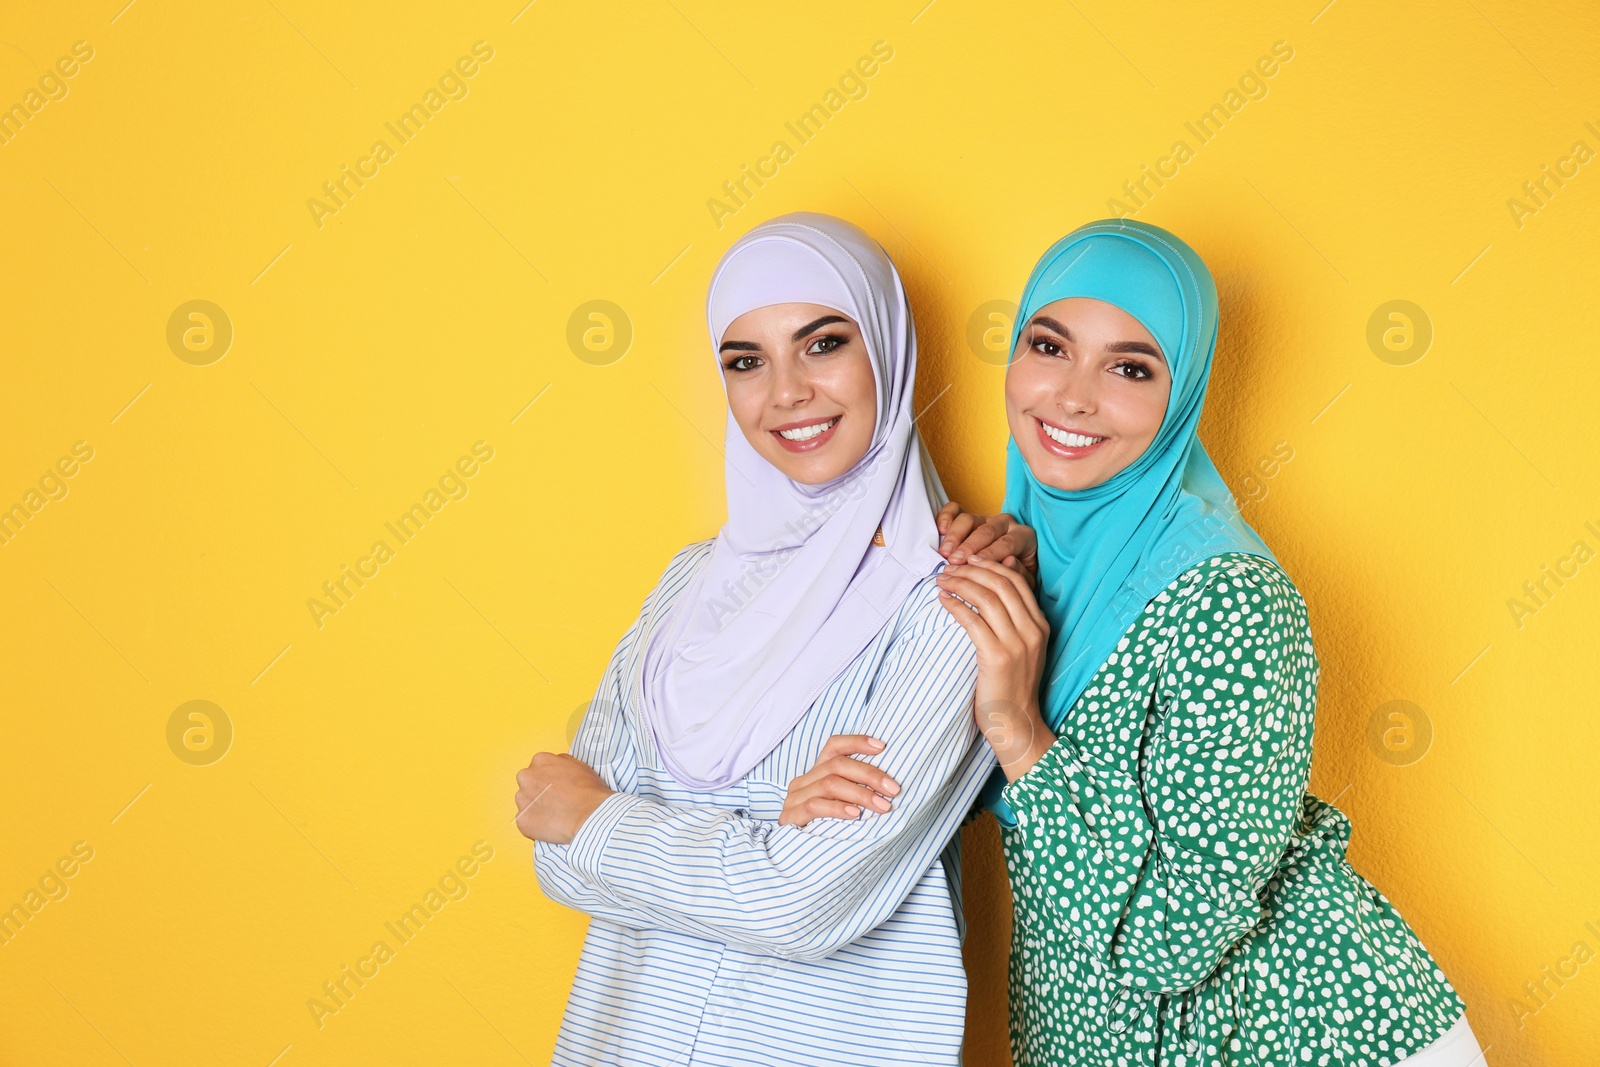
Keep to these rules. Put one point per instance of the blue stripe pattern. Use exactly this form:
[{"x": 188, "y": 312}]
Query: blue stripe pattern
[{"x": 719, "y": 938}]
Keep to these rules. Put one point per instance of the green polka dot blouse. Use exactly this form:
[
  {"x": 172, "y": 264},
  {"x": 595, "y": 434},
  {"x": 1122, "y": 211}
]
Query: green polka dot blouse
[{"x": 1179, "y": 897}]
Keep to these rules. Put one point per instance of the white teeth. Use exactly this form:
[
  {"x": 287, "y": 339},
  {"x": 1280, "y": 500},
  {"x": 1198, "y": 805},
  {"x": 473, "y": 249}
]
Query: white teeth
[
  {"x": 1071, "y": 440},
  {"x": 806, "y": 433}
]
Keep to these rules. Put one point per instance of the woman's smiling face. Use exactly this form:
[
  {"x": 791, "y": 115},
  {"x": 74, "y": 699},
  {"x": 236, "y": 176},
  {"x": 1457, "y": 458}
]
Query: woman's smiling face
[
  {"x": 1086, "y": 391},
  {"x": 801, "y": 387}
]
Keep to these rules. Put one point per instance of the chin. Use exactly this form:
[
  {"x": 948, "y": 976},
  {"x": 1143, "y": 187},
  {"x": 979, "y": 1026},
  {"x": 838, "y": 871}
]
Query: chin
[
  {"x": 828, "y": 474},
  {"x": 1062, "y": 474},
  {"x": 1078, "y": 483},
  {"x": 809, "y": 472},
  {"x": 818, "y": 467}
]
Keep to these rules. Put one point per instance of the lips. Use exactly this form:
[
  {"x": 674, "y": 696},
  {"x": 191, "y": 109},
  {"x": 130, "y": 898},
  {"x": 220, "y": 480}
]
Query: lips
[
  {"x": 1067, "y": 443},
  {"x": 806, "y": 435}
]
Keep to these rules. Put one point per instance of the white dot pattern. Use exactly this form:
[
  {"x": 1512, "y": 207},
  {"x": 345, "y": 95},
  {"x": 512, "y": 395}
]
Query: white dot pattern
[{"x": 1179, "y": 897}]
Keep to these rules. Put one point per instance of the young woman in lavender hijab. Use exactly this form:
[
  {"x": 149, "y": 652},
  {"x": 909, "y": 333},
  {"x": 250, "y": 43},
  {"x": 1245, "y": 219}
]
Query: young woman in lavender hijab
[
  {"x": 1179, "y": 897},
  {"x": 726, "y": 926}
]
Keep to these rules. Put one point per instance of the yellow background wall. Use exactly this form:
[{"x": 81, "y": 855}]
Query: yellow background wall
[{"x": 378, "y": 339}]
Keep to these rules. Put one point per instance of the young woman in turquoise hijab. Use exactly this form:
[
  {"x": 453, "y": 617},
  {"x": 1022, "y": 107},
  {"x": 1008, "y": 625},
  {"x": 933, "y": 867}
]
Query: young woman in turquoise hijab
[{"x": 1179, "y": 896}]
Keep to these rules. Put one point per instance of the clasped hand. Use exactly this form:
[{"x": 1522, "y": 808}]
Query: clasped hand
[{"x": 992, "y": 563}]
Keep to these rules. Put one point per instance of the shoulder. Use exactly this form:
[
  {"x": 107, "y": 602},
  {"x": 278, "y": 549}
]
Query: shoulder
[
  {"x": 688, "y": 559},
  {"x": 1237, "y": 601},
  {"x": 684, "y": 564},
  {"x": 922, "y": 618},
  {"x": 1237, "y": 606},
  {"x": 680, "y": 570},
  {"x": 922, "y": 661},
  {"x": 1232, "y": 586}
]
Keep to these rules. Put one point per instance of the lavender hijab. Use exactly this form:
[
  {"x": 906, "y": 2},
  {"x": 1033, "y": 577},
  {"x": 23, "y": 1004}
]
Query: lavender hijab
[{"x": 795, "y": 587}]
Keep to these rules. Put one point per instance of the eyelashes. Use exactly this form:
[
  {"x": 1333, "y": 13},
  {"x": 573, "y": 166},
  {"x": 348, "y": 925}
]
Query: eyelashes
[
  {"x": 833, "y": 341},
  {"x": 1039, "y": 344},
  {"x": 838, "y": 342}
]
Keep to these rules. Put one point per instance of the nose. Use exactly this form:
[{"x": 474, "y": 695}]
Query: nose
[
  {"x": 1077, "y": 389},
  {"x": 790, "y": 385}
]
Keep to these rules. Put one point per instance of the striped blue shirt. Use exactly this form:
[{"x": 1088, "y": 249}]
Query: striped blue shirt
[{"x": 720, "y": 938}]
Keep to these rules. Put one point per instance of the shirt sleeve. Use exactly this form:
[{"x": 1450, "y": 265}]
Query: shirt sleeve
[
  {"x": 1158, "y": 870},
  {"x": 605, "y": 742},
  {"x": 804, "y": 892}
]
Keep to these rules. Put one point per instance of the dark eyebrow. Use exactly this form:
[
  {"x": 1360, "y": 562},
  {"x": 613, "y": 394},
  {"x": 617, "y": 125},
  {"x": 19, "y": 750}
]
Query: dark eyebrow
[
  {"x": 751, "y": 346},
  {"x": 1135, "y": 346},
  {"x": 826, "y": 320},
  {"x": 1116, "y": 346},
  {"x": 1052, "y": 325}
]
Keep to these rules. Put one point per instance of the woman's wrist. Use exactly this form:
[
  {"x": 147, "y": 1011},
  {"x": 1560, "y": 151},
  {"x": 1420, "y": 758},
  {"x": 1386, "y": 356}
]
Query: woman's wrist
[
  {"x": 1019, "y": 737},
  {"x": 584, "y": 806}
]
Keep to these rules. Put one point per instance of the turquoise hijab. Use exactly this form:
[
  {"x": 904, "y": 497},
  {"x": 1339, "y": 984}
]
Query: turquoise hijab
[{"x": 1106, "y": 551}]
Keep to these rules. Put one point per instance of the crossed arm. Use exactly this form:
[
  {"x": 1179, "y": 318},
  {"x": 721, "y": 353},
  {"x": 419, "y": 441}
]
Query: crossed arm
[
  {"x": 798, "y": 892},
  {"x": 794, "y": 888}
]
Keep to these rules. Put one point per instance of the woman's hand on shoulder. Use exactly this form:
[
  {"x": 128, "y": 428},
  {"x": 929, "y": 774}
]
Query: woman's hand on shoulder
[
  {"x": 1001, "y": 538},
  {"x": 996, "y": 607},
  {"x": 838, "y": 785}
]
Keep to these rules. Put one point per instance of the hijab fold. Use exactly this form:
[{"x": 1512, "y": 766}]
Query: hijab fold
[
  {"x": 1106, "y": 551},
  {"x": 795, "y": 587}
]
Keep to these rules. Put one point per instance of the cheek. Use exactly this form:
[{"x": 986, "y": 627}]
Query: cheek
[
  {"x": 862, "y": 385},
  {"x": 1025, "y": 386},
  {"x": 1157, "y": 405},
  {"x": 852, "y": 386},
  {"x": 1137, "y": 410},
  {"x": 746, "y": 401}
]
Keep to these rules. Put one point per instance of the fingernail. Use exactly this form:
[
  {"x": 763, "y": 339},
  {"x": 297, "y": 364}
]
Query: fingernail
[
  {"x": 880, "y": 803},
  {"x": 853, "y": 810},
  {"x": 874, "y": 742},
  {"x": 892, "y": 787}
]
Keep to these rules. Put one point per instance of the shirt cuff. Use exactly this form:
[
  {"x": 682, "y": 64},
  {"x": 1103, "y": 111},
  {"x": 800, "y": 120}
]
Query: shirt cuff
[
  {"x": 588, "y": 845},
  {"x": 1018, "y": 793}
]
